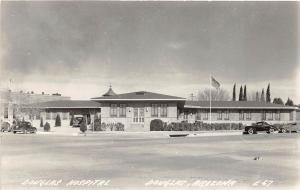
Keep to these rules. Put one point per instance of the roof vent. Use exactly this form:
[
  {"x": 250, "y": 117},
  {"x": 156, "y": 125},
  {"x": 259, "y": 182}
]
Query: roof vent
[
  {"x": 110, "y": 92},
  {"x": 140, "y": 93}
]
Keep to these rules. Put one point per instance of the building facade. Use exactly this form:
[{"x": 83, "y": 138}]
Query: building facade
[
  {"x": 11, "y": 102},
  {"x": 136, "y": 110},
  {"x": 245, "y": 112}
]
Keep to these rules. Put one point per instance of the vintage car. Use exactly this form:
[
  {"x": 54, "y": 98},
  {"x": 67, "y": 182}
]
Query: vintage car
[
  {"x": 23, "y": 127},
  {"x": 261, "y": 126},
  {"x": 5, "y": 127},
  {"x": 78, "y": 119},
  {"x": 289, "y": 127}
]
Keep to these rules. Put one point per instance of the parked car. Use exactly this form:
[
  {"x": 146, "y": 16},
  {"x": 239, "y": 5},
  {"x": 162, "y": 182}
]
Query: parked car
[
  {"x": 5, "y": 127},
  {"x": 261, "y": 126},
  {"x": 77, "y": 120},
  {"x": 290, "y": 127},
  {"x": 23, "y": 127}
]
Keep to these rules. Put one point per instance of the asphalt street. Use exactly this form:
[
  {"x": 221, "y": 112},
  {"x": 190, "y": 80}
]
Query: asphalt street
[{"x": 118, "y": 162}]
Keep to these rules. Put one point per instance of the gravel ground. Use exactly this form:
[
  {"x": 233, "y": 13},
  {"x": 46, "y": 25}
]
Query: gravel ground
[{"x": 122, "y": 162}]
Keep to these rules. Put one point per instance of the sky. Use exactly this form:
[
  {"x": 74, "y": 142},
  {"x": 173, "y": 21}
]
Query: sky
[{"x": 80, "y": 48}]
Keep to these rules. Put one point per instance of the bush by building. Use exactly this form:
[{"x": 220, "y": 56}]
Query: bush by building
[
  {"x": 57, "y": 121},
  {"x": 83, "y": 126},
  {"x": 47, "y": 127},
  {"x": 157, "y": 125},
  {"x": 109, "y": 126}
]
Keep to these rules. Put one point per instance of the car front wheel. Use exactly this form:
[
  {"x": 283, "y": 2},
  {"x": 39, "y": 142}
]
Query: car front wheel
[
  {"x": 283, "y": 130},
  {"x": 250, "y": 131},
  {"x": 271, "y": 130}
]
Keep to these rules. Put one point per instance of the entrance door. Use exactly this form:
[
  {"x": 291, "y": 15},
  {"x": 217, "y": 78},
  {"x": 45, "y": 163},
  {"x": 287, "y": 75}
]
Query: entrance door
[{"x": 138, "y": 115}]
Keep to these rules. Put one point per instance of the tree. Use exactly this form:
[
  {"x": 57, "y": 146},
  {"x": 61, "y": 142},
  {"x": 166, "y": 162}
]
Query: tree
[
  {"x": 257, "y": 96},
  {"x": 289, "y": 102},
  {"x": 268, "y": 95},
  {"x": 245, "y": 93},
  {"x": 233, "y": 93},
  {"x": 216, "y": 95},
  {"x": 241, "y": 94},
  {"x": 262, "y": 96},
  {"x": 278, "y": 101},
  {"x": 57, "y": 121},
  {"x": 47, "y": 127},
  {"x": 83, "y": 126},
  {"x": 72, "y": 120},
  {"x": 42, "y": 122}
]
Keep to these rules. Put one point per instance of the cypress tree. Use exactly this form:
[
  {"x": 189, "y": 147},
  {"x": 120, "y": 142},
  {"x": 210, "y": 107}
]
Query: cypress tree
[
  {"x": 289, "y": 102},
  {"x": 42, "y": 122},
  {"x": 57, "y": 121},
  {"x": 241, "y": 94},
  {"x": 245, "y": 93},
  {"x": 257, "y": 96},
  {"x": 262, "y": 97},
  {"x": 268, "y": 95},
  {"x": 233, "y": 93},
  {"x": 72, "y": 120}
]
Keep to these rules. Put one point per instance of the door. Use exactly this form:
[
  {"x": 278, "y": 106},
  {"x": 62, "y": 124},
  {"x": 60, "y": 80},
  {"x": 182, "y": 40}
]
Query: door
[{"x": 138, "y": 115}]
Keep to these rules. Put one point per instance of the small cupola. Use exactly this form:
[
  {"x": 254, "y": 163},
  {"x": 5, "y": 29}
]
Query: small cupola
[{"x": 110, "y": 92}]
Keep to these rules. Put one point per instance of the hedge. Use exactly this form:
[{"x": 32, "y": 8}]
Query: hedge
[
  {"x": 108, "y": 126},
  {"x": 158, "y": 125}
]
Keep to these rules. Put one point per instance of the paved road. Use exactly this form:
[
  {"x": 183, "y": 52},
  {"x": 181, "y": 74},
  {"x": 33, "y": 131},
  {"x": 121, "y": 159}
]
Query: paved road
[{"x": 119, "y": 162}]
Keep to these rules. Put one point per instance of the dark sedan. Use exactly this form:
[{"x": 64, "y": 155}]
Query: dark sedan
[
  {"x": 23, "y": 127},
  {"x": 260, "y": 127}
]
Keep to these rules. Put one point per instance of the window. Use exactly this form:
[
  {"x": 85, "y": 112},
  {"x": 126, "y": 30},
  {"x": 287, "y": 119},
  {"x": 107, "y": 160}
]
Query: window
[
  {"x": 291, "y": 116},
  {"x": 241, "y": 115},
  {"x": 164, "y": 110},
  {"x": 226, "y": 115},
  {"x": 154, "y": 110},
  {"x": 37, "y": 116},
  {"x": 219, "y": 115},
  {"x": 113, "y": 110},
  {"x": 185, "y": 115},
  {"x": 48, "y": 115},
  {"x": 248, "y": 115},
  {"x": 277, "y": 115},
  {"x": 141, "y": 115},
  {"x": 138, "y": 115},
  {"x": 263, "y": 115},
  {"x": 205, "y": 115},
  {"x": 270, "y": 115},
  {"x": 198, "y": 116},
  {"x": 54, "y": 115},
  {"x": 122, "y": 110},
  {"x": 65, "y": 115}
]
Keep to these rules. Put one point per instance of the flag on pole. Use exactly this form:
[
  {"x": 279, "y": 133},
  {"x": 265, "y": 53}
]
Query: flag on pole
[{"x": 215, "y": 83}]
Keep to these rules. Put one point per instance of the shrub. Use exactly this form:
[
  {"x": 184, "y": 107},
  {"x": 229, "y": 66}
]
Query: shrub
[
  {"x": 119, "y": 127},
  {"x": 156, "y": 125},
  {"x": 57, "y": 121},
  {"x": 109, "y": 126},
  {"x": 47, "y": 127},
  {"x": 97, "y": 124},
  {"x": 42, "y": 122},
  {"x": 83, "y": 126},
  {"x": 197, "y": 126}
]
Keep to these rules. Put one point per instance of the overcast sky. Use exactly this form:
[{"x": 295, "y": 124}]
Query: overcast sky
[{"x": 79, "y": 48}]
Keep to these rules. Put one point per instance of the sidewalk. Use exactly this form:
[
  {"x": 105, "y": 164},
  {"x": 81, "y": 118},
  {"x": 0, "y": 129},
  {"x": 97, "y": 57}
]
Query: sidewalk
[{"x": 151, "y": 134}]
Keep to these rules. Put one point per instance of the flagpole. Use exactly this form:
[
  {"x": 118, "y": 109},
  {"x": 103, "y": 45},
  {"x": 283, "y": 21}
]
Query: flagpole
[{"x": 210, "y": 100}]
